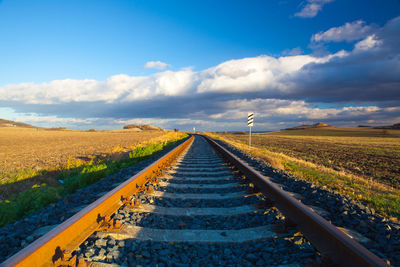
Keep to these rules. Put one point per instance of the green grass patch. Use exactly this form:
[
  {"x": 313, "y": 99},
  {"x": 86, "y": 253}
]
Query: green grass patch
[
  {"x": 39, "y": 196},
  {"x": 12, "y": 177},
  {"x": 316, "y": 176}
]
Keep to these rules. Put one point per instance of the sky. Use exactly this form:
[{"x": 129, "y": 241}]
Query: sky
[{"x": 205, "y": 64}]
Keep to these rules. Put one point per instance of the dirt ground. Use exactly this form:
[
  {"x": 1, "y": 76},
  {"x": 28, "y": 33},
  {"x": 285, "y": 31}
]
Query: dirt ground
[
  {"x": 24, "y": 148},
  {"x": 358, "y": 151}
]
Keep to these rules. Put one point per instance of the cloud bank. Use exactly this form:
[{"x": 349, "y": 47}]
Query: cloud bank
[
  {"x": 361, "y": 85},
  {"x": 264, "y": 74}
]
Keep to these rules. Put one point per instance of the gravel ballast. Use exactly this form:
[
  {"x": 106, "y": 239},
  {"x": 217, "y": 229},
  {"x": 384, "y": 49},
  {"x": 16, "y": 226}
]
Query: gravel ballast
[{"x": 280, "y": 248}]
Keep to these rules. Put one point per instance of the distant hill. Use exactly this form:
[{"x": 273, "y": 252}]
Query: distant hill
[
  {"x": 395, "y": 126},
  {"x": 7, "y": 123},
  {"x": 304, "y": 127},
  {"x": 138, "y": 128}
]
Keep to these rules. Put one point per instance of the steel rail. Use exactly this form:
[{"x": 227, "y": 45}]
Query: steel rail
[
  {"x": 330, "y": 241},
  {"x": 67, "y": 236}
]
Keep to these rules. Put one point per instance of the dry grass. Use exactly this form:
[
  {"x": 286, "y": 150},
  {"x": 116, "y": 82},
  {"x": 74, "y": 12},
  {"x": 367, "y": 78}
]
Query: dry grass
[
  {"x": 32, "y": 156},
  {"x": 22, "y": 148}
]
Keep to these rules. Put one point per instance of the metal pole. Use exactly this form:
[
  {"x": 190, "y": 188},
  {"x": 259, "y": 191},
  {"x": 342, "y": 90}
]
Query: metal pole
[{"x": 250, "y": 139}]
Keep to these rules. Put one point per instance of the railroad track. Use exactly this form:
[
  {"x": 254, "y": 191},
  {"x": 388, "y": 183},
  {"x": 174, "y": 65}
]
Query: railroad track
[{"x": 197, "y": 205}]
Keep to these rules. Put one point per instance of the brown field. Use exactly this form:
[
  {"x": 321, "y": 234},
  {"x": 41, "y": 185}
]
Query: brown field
[
  {"x": 22, "y": 148},
  {"x": 366, "y": 152},
  {"x": 362, "y": 163},
  {"x": 30, "y": 156}
]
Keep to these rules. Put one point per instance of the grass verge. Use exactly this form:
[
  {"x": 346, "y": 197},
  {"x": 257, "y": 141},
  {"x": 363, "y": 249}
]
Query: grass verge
[
  {"x": 79, "y": 176},
  {"x": 383, "y": 199}
]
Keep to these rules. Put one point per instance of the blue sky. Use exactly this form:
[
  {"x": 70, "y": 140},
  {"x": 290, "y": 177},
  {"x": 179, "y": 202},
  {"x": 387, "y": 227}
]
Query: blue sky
[{"x": 60, "y": 60}]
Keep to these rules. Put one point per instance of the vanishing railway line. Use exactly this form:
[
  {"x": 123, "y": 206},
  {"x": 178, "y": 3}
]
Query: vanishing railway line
[{"x": 197, "y": 205}]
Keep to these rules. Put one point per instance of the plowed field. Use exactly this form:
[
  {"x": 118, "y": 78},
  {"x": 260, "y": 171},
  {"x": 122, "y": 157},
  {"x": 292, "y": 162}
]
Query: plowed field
[{"x": 361, "y": 152}]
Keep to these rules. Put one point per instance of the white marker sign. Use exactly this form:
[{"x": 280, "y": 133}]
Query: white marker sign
[{"x": 250, "y": 119}]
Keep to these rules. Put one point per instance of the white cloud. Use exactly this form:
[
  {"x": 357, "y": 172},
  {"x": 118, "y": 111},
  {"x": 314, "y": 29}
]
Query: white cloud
[
  {"x": 299, "y": 109},
  {"x": 155, "y": 65},
  {"x": 255, "y": 74},
  {"x": 117, "y": 88},
  {"x": 171, "y": 83},
  {"x": 234, "y": 76},
  {"x": 311, "y": 8},
  {"x": 293, "y": 52},
  {"x": 50, "y": 120},
  {"x": 133, "y": 121},
  {"x": 141, "y": 121},
  {"x": 351, "y": 31},
  {"x": 368, "y": 43},
  {"x": 166, "y": 83}
]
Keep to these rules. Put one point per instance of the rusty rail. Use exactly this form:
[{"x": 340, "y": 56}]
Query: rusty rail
[
  {"x": 55, "y": 247},
  {"x": 329, "y": 240}
]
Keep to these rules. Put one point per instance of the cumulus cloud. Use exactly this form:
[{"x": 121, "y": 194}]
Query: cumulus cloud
[
  {"x": 138, "y": 121},
  {"x": 155, "y": 65},
  {"x": 368, "y": 43},
  {"x": 289, "y": 109},
  {"x": 311, "y": 8},
  {"x": 370, "y": 72},
  {"x": 141, "y": 121},
  {"x": 235, "y": 76},
  {"x": 280, "y": 113},
  {"x": 117, "y": 88},
  {"x": 351, "y": 31},
  {"x": 256, "y": 74},
  {"x": 34, "y": 119}
]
